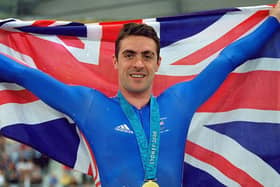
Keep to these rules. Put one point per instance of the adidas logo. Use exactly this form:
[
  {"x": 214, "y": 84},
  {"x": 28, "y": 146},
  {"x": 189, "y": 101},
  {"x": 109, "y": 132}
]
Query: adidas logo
[{"x": 123, "y": 128}]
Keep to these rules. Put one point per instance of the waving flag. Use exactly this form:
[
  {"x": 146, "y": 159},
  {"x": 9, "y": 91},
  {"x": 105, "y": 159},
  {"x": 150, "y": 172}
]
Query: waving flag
[{"x": 234, "y": 138}]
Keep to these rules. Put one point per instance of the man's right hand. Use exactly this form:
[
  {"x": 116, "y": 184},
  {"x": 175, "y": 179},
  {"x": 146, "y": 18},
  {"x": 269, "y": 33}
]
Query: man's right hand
[{"x": 275, "y": 11}]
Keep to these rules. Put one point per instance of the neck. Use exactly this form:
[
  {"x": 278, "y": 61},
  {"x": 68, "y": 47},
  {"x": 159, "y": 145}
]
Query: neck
[{"x": 138, "y": 100}]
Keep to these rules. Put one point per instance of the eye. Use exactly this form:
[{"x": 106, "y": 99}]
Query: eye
[
  {"x": 148, "y": 56},
  {"x": 129, "y": 55}
]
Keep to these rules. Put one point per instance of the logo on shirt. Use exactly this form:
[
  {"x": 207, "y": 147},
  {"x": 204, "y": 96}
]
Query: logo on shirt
[
  {"x": 163, "y": 128},
  {"x": 123, "y": 128}
]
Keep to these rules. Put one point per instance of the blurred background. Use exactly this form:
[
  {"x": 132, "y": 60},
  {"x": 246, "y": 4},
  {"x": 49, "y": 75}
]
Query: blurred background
[
  {"x": 19, "y": 164},
  {"x": 22, "y": 166}
]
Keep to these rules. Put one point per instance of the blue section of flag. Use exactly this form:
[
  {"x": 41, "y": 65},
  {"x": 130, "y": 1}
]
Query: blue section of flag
[
  {"x": 191, "y": 174},
  {"x": 71, "y": 29},
  {"x": 47, "y": 137},
  {"x": 177, "y": 28},
  {"x": 260, "y": 138}
]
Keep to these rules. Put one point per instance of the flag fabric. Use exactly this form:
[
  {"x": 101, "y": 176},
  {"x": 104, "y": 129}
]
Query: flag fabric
[{"x": 234, "y": 138}]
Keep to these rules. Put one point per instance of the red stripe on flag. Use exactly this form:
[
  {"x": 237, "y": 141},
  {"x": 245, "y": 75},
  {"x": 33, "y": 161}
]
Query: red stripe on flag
[
  {"x": 16, "y": 96},
  {"x": 163, "y": 82},
  {"x": 222, "y": 164},
  {"x": 72, "y": 41},
  {"x": 223, "y": 41},
  {"x": 43, "y": 23},
  {"x": 98, "y": 184},
  {"x": 89, "y": 172},
  {"x": 112, "y": 29},
  {"x": 254, "y": 90}
]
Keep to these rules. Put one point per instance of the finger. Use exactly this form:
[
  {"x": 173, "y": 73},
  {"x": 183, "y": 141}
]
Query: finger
[{"x": 277, "y": 4}]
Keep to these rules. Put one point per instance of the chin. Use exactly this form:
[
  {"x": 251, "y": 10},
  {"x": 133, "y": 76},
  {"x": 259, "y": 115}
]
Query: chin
[{"x": 137, "y": 90}]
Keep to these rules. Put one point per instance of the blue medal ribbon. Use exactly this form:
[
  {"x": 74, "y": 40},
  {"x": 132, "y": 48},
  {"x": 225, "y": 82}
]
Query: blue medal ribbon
[{"x": 148, "y": 150}]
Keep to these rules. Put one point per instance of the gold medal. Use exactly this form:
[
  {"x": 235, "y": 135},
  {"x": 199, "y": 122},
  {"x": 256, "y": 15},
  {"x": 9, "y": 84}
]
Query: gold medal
[{"x": 150, "y": 183}]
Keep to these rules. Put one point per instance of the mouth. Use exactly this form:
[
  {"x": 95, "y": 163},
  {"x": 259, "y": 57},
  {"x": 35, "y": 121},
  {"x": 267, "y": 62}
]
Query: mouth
[{"x": 137, "y": 75}]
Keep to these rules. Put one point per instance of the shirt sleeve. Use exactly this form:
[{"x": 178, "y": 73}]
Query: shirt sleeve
[{"x": 71, "y": 100}]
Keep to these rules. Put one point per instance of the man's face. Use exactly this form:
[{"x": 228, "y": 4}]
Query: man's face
[{"x": 137, "y": 63}]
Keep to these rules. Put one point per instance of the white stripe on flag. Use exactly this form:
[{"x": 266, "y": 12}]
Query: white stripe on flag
[
  {"x": 24, "y": 58},
  {"x": 37, "y": 112},
  {"x": 264, "y": 64},
  {"x": 95, "y": 172},
  {"x": 83, "y": 158},
  {"x": 153, "y": 23},
  {"x": 10, "y": 86},
  {"x": 267, "y": 116},
  {"x": 12, "y": 25},
  {"x": 254, "y": 8}
]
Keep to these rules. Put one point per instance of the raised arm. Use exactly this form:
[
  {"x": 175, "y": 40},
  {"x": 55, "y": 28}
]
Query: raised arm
[
  {"x": 207, "y": 82},
  {"x": 71, "y": 100}
]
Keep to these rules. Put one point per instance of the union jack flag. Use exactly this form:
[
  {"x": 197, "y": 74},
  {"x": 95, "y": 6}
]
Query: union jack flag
[{"x": 233, "y": 138}]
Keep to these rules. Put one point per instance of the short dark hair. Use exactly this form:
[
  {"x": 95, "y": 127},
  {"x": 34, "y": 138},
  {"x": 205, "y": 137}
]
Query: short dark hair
[{"x": 137, "y": 29}]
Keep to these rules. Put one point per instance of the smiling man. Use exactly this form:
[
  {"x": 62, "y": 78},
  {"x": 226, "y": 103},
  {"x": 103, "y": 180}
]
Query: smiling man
[
  {"x": 137, "y": 60},
  {"x": 138, "y": 139}
]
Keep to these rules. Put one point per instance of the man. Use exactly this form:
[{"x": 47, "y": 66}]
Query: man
[{"x": 147, "y": 153}]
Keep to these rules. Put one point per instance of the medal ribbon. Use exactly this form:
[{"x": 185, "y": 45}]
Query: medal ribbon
[{"x": 148, "y": 151}]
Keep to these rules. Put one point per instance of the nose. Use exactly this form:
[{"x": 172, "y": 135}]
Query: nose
[{"x": 139, "y": 63}]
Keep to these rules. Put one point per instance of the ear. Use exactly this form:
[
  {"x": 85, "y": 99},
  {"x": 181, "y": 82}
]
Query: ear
[
  {"x": 158, "y": 63},
  {"x": 115, "y": 62}
]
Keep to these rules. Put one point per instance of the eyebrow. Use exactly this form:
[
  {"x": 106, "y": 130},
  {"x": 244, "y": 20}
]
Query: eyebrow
[
  {"x": 148, "y": 53},
  {"x": 134, "y": 52},
  {"x": 128, "y": 51}
]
